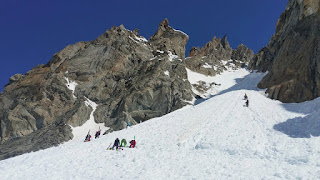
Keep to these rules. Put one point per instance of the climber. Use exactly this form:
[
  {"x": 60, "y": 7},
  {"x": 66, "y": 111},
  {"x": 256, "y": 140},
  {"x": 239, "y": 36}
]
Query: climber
[
  {"x": 98, "y": 133},
  {"x": 116, "y": 144},
  {"x": 88, "y": 137},
  {"x": 123, "y": 143},
  {"x": 245, "y": 96},
  {"x": 247, "y": 103},
  {"x": 132, "y": 143}
]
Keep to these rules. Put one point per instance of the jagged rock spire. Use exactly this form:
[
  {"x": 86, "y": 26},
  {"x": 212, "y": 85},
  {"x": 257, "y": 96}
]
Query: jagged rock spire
[{"x": 169, "y": 39}]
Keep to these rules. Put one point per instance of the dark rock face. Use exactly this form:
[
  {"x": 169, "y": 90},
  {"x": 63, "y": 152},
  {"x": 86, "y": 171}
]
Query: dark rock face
[
  {"x": 292, "y": 55},
  {"x": 131, "y": 79},
  {"x": 259, "y": 61}
]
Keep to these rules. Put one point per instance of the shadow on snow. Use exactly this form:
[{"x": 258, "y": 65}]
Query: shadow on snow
[{"x": 301, "y": 127}]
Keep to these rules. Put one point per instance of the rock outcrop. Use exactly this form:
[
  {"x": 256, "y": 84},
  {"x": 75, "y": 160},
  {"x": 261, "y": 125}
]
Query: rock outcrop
[
  {"x": 292, "y": 55},
  {"x": 242, "y": 53},
  {"x": 207, "y": 60},
  {"x": 216, "y": 55},
  {"x": 130, "y": 78},
  {"x": 169, "y": 39}
]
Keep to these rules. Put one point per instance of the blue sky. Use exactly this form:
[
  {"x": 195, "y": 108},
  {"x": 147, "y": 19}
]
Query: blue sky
[{"x": 32, "y": 31}]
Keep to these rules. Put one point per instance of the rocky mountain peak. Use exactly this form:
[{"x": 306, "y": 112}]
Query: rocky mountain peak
[
  {"x": 224, "y": 42},
  {"x": 242, "y": 53},
  {"x": 129, "y": 78},
  {"x": 209, "y": 59},
  {"x": 169, "y": 39},
  {"x": 217, "y": 47},
  {"x": 194, "y": 51},
  {"x": 119, "y": 71},
  {"x": 164, "y": 24}
]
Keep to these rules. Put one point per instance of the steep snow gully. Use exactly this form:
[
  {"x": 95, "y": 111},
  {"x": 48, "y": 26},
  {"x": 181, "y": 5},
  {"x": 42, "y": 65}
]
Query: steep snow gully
[{"x": 216, "y": 139}]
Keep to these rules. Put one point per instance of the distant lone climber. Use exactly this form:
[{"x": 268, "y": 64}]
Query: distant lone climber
[
  {"x": 245, "y": 96},
  {"x": 247, "y": 103}
]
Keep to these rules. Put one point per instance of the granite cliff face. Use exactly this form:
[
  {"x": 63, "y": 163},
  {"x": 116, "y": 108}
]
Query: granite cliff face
[
  {"x": 130, "y": 78},
  {"x": 292, "y": 55}
]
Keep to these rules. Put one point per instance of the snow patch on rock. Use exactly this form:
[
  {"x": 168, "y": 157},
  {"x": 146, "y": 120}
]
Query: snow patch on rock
[
  {"x": 181, "y": 32},
  {"x": 71, "y": 85},
  {"x": 79, "y": 133},
  {"x": 167, "y": 73},
  {"x": 171, "y": 56},
  {"x": 141, "y": 39},
  {"x": 206, "y": 65}
]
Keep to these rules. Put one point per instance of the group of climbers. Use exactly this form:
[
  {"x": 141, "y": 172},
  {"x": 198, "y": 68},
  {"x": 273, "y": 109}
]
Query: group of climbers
[
  {"x": 116, "y": 144},
  {"x": 247, "y": 100},
  {"x": 88, "y": 136},
  {"x": 123, "y": 143}
]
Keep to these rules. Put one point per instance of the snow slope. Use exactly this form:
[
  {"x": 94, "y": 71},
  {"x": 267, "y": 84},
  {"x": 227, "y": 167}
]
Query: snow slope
[{"x": 216, "y": 139}]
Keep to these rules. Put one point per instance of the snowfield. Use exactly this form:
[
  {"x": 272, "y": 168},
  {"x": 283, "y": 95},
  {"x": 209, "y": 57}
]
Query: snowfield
[{"x": 217, "y": 139}]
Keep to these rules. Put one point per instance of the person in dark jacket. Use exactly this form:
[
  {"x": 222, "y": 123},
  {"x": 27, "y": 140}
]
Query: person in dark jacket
[
  {"x": 247, "y": 103},
  {"x": 97, "y": 134},
  {"x": 116, "y": 144}
]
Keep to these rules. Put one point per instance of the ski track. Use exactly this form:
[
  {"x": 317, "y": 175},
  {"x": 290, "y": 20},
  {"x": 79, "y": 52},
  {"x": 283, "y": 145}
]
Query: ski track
[{"x": 217, "y": 139}]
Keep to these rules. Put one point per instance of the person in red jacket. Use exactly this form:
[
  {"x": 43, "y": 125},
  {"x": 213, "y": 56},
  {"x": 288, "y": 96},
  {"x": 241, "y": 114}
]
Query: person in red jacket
[{"x": 132, "y": 144}]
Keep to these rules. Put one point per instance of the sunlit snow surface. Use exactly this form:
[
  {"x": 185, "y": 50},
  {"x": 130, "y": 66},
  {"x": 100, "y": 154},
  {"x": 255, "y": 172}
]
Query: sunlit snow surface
[{"x": 216, "y": 139}]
